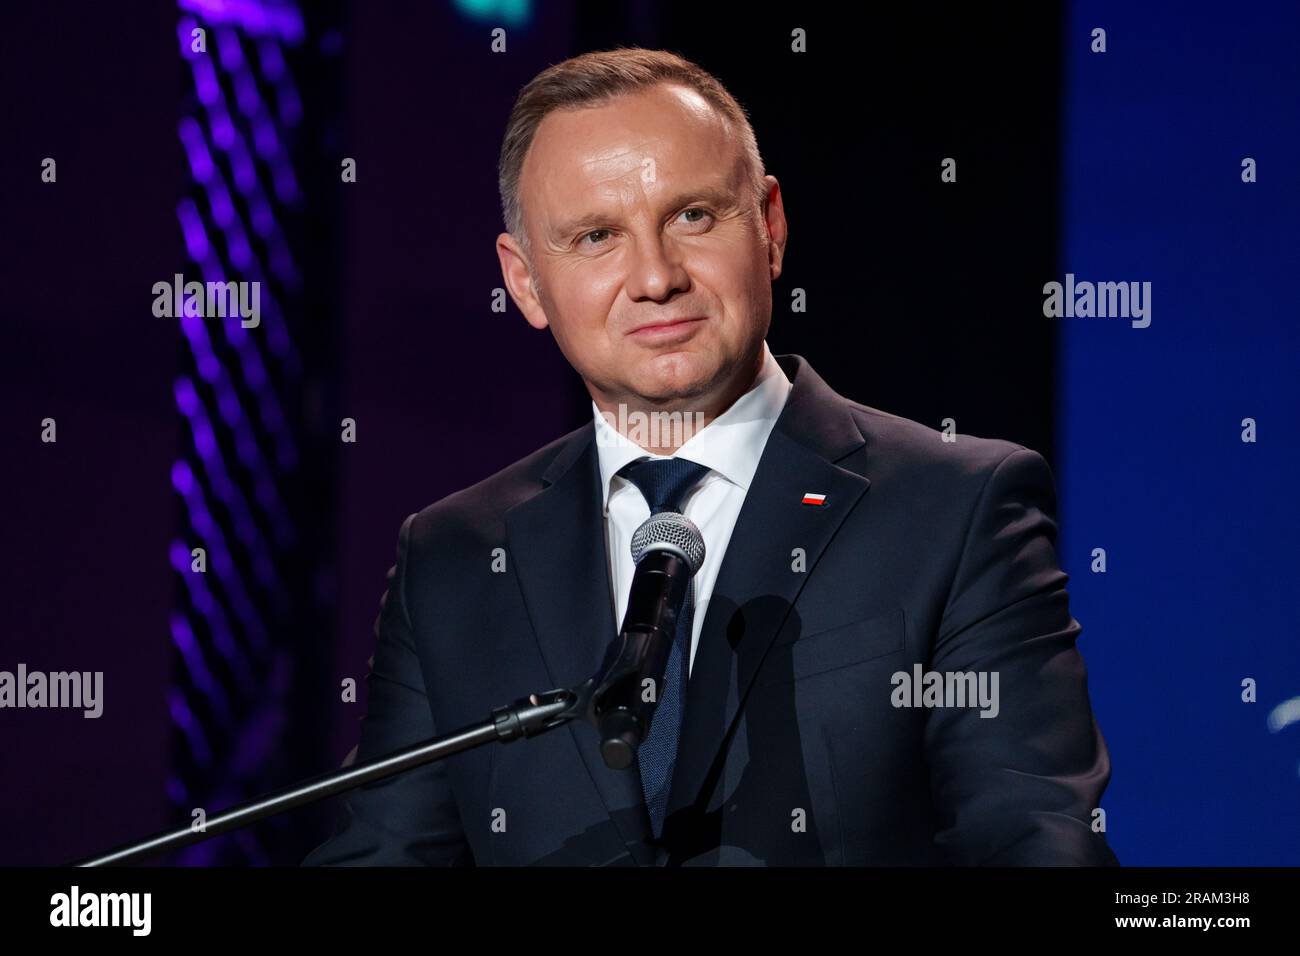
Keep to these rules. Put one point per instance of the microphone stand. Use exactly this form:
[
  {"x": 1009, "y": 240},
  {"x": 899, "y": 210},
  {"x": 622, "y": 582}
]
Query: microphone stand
[
  {"x": 526, "y": 717},
  {"x": 611, "y": 701}
]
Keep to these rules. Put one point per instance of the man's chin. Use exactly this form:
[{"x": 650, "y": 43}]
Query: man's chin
[{"x": 674, "y": 385}]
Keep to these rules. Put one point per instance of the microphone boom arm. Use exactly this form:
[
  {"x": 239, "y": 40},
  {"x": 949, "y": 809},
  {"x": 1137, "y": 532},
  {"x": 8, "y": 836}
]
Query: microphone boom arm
[{"x": 526, "y": 717}]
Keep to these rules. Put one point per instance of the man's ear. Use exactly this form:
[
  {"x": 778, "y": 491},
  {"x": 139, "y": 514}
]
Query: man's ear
[
  {"x": 519, "y": 281},
  {"x": 774, "y": 216}
]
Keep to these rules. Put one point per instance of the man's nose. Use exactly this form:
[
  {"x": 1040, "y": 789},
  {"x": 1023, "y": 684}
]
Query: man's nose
[{"x": 656, "y": 270}]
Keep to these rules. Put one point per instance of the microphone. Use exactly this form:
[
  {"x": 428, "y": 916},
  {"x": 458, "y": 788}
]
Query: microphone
[{"x": 668, "y": 550}]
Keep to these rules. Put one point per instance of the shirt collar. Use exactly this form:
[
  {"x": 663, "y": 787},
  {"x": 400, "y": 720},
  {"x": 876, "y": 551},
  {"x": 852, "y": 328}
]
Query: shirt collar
[{"x": 731, "y": 444}]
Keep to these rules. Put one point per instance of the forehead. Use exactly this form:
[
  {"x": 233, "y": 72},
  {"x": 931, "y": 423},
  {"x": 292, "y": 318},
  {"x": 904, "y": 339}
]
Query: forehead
[{"x": 597, "y": 154}]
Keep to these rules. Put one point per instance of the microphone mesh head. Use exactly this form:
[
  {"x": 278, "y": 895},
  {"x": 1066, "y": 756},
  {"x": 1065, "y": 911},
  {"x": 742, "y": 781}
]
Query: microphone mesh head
[{"x": 669, "y": 531}]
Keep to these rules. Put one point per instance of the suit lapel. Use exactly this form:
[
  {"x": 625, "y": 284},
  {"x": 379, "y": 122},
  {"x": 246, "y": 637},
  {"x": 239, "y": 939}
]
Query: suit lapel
[
  {"x": 557, "y": 541},
  {"x": 756, "y": 583}
]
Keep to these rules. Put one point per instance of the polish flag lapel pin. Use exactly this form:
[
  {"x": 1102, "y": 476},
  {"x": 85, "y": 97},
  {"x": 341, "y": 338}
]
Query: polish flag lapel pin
[{"x": 809, "y": 498}]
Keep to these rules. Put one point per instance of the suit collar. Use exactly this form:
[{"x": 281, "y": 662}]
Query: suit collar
[{"x": 817, "y": 417}]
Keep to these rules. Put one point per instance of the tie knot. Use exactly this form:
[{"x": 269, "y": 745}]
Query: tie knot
[{"x": 664, "y": 482}]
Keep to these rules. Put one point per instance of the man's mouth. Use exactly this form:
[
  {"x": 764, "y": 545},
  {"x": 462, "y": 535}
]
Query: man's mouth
[{"x": 670, "y": 331}]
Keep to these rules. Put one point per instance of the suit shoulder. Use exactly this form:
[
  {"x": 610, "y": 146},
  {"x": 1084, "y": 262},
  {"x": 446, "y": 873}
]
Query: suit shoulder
[
  {"x": 479, "y": 509},
  {"x": 917, "y": 450}
]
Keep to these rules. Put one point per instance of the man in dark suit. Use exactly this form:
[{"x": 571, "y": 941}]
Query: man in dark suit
[{"x": 877, "y": 662}]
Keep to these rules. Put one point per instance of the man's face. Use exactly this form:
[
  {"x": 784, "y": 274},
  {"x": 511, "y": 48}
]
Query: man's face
[{"x": 652, "y": 258}]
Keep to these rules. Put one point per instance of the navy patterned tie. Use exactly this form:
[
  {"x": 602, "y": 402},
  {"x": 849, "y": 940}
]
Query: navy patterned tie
[{"x": 664, "y": 482}]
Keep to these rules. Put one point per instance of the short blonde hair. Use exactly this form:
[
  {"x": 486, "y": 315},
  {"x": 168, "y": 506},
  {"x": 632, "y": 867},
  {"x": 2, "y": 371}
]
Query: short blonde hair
[{"x": 594, "y": 79}]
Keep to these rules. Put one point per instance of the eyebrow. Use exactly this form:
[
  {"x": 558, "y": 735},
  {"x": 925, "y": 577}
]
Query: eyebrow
[{"x": 708, "y": 195}]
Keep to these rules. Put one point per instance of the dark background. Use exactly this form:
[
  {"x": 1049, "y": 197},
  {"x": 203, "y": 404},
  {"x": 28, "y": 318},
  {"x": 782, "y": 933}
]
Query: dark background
[{"x": 924, "y": 299}]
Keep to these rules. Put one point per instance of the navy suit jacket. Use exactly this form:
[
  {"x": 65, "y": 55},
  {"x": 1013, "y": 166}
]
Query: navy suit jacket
[{"x": 793, "y": 751}]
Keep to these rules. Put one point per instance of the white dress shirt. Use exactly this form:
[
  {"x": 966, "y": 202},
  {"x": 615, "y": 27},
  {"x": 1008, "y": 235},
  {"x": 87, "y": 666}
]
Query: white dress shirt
[{"x": 730, "y": 446}]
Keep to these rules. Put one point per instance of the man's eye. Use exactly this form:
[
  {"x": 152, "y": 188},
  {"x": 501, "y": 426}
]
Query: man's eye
[
  {"x": 696, "y": 209},
  {"x": 594, "y": 232}
]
